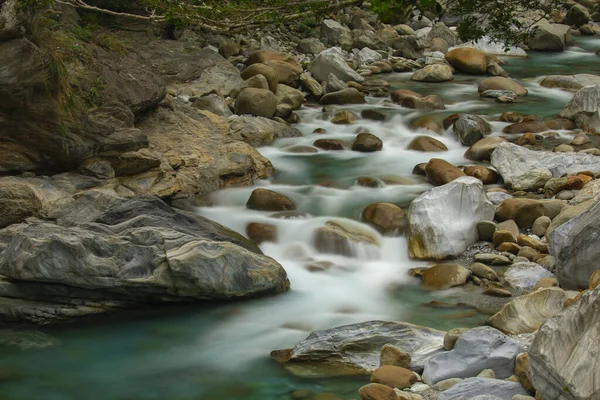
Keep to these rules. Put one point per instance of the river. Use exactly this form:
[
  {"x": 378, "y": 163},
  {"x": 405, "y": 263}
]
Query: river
[{"x": 221, "y": 351}]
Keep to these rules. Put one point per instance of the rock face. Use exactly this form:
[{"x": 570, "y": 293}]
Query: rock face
[
  {"x": 574, "y": 245},
  {"x": 514, "y": 162},
  {"x": 443, "y": 221},
  {"x": 475, "y": 350},
  {"x": 564, "y": 359},
  {"x": 586, "y": 100},
  {"x": 483, "y": 389},
  {"x": 527, "y": 313},
  {"x": 109, "y": 253},
  {"x": 17, "y": 201},
  {"x": 468, "y": 59},
  {"x": 469, "y": 129},
  {"x": 355, "y": 349},
  {"x": 331, "y": 61}
]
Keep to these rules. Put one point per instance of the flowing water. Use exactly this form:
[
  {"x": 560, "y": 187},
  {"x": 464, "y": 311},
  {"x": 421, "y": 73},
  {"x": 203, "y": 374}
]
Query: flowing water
[{"x": 221, "y": 351}]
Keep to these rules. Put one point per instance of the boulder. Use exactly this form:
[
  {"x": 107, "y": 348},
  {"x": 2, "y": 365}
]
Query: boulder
[
  {"x": 433, "y": 73},
  {"x": 394, "y": 376},
  {"x": 110, "y": 253},
  {"x": 346, "y": 96},
  {"x": 387, "y": 218},
  {"x": 354, "y": 349},
  {"x": 367, "y": 143},
  {"x": 443, "y": 221},
  {"x": 439, "y": 172},
  {"x": 263, "y": 56},
  {"x": 570, "y": 82},
  {"x": 311, "y": 85},
  {"x": 344, "y": 117},
  {"x": 257, "y": 102},
  {"x": 502, "y": 83},
  {"x": 482, "y": 149},
  {"x": 550, "y": 37},
  {"x": 334, "y": 84},
  {"x": 393, "y": 355},
  {"x": 18, "y": 201},
  {"x": 525, "y": 211},
  {"x": 258, "y": 131},
  {"x": 362, "y": 38},
  {"x": 586, "y": 100},
  {"x": 423, "y": 103},
  {"x": 411, "y": 47},
  {"x": 427, "y": 144},
  {"x": 525, "y": 275},
  {"x": 483, "y": 389},
  {"x": 468, "y": 59},
  {"x": 259, "y": 233},
  {"x": 334, "y": 34},
  {"x": 257, "y": 81},
  {"x": 268, "y": 200},
  {"x": 288, "y": 95},
  {"x": 576, "y": 16},
  {"x": 444, "y": 276},
  {"x": 441, "y": 31},
  {"x": 475, "y": 350},
  {"x": 329, "y": 144},
  {"x": 469, "y": 129},
  {"x": 287, "y": 73},
  {"x": 525, "y": 314},
  {"x": 229, "y": 49},
  {"x": 342, "y": 238},
  {"x": 481, "y": 270},
  {"x": 310, "y": 46},
  {"x": 564, "y": 359},
  {"x": 377, "y": 391},
  {"x": 331, "y": 61},
  {"x": 514, "y": 162},
  {"x": 486, "y": 175},
  {"x": 572, "y": 244}
]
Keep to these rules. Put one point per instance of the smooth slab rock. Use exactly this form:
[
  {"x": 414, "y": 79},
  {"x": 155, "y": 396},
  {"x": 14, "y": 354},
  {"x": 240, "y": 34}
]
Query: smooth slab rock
[
  {"x": 514, "y": 162},
  {"x": 355, "y": 349},
  {"x": 585, "y": 100},
  {"x": 564, "y": 359},
  {"x": 477, "y": 349},
  {"x": 483, "y": 389},
  {"x": 443, "y": 221},
  {"x": 574, "y": 244},
  {"x": 331, "y": 61},
  {"x": 101, "y": 249},
  {"x": 524, "y": 275},
  {"x": 527, "y": 313}
]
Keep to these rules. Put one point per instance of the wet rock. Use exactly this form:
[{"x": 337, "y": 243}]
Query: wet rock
[
  {"x": 444, "y": 276},
  {"x": 410, "y": 99},
  {"x": 268, "y": 200},
  {"x": 393, "y": 355},
  {"x": 526, "y": 127},
  {"x": 331, "y": 61},
  {"x": 393, "y": 376},
  {"x": 329, "y": 144},
  {"x": 570, "y": 82},
  {"x": 345, "y": 96},
  {"x": 469, "y": 129},
  {"x": 433, "y": 73},
  {"x": 572, "y": 244},
  {"x": 376, "y": 391},
  {"x": 491, "y": 259},
  {"x": 367, "y": 143},
  {"x": 473, "y": 388},
  {"x": 355, "y": 349},
  {"x": 439, "y": 172},
  {"x": 475, "y": 350},
  {"x": 483, "y": 149},
  {"x": 564, "y": 360},
  {"x": 525, "y": 275},
  {"x": 525, "y": 314},
  {"x": 468, "y": 59},
  {"x": 259, "y": 233},
  {"x": 264, "y": 70},
  {"x": 443, "y": 221},
  {"x": 501, "y": 83},
  {"x": 342, "y": 238},
  {"x": 374, "y": 115},
  {"x": 344, "y": 117},
  {"x": 257, "y": 102},
  {"x": 387, "y": 218},
  {"x": 486, "y": 175},
  {"x": 550, "y": 37}
]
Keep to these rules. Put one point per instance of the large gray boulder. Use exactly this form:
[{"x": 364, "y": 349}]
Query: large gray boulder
[
  {"x": 477, "y": 349},
  {"x": 550, "y": 37},
  {"x": 335, "y": 34},
  {"x": 527, "y": 313},
  {"x": 331, "y": 61},
  {"x": 564, "y": 359},
  {"x": 472, "y": 388},
  {"x": 514, "y": 162},
  {"x": 586, "y": 100},
  {"x": 355, "y": 349},
  {"x": 442, "y": 222},
  {"x": 574, "y": 244},
  {"x": 102, "y": 252}
]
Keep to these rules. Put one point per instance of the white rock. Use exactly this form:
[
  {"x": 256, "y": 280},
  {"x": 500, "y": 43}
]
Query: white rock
[
  {"x": 331, "y": 61},
  {"x": 586, "y": 99},
  {"x": 477, "y": 349},
  {"x": 564, "y": 359},
  {"x": 442, "y": 222},
  {"x": 366, "y": 56},
  {"x": 524, "y": 275}
]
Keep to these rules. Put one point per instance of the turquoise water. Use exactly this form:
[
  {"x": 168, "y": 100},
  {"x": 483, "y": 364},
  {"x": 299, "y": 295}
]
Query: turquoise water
[{"x": 221, "y": 351}]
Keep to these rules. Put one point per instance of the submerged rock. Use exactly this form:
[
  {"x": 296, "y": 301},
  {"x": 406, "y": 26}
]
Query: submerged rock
[
  {"x": 570, "y": 82},
  {"x": 443, "y": 221},
  {"x": 343, "y": 238},
  {"x": 355, "y": 349},
  {"x": 527, "y": 313},
  {"x": 564, "y": 359},
  {"x": 475, "y": 350}
]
